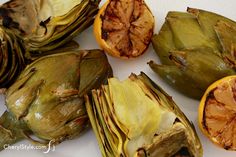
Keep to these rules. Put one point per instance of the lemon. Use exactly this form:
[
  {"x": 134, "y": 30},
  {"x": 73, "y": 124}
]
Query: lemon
[
  {"x": 217, "y": 113},
  {"x": 123, "y": 28}
]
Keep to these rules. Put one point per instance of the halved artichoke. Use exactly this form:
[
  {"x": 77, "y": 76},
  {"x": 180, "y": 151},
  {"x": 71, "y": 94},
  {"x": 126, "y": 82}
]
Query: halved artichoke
[
  {"x": 47, "y": 98},
  {"x": 136, "y": 117},
  {"x": 196, "y": 49},
  {"x": 12, "y": 60},
  {"x": 47, "y": 24}
]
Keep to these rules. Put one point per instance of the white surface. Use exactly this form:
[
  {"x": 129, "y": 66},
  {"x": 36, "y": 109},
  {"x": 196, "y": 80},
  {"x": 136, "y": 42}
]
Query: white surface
[{"x": 86, "y": 145}]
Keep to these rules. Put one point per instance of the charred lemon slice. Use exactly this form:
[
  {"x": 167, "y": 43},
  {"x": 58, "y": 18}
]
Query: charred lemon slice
[
  {"x": 123, "y": 28},
  {"x": 217, "y": 113}
]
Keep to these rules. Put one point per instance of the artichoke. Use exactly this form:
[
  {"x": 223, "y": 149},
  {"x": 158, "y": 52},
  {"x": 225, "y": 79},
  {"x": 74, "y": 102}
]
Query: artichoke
[
  {"x": 136, "y": 117},
  {"x": 47, "y": 24},
  {"x": 196, "y": 49},
  {"x": 29, "y": 29},
  {"x": 12, "y": 60},
  {"x": 47, "y": 98}
]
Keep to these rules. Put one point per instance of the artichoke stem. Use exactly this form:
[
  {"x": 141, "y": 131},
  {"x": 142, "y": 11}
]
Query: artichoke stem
[{"x": 11, "y": 130}]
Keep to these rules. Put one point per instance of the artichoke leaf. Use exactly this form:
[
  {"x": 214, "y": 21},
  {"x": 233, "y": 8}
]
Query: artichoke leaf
[
  {"x": 11, "y": 129},
  {"x": 108, "y": 138},
  {"x": 93, "y": 120},
  {"x": 23, "y": 98},
  {"x": 187, "y": 33},
  {"x": 207, "y": 20},
  {"x": 115, "y": 129},
  {"x": 176, "y": 78},
  {"x": 163, "y": 43},
  {"x": 228, "y": 41},
  {"x": 12, "y": 60},
  {"x": 72, "y": 45},
  {"x": 96, "y": 62}
]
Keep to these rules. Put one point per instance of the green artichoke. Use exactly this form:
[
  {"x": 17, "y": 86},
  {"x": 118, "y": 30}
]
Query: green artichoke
[
  {"x": 136, "y": 117},
  {"x": 196, "y": 49},
  {"x": 12, "y": 60},
  {"x": 46, "y": 25},
  {"x": 47, "y": 98}
]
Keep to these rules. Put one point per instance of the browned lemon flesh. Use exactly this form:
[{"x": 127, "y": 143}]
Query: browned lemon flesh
[
  {"x": 127, "y": 27},
  {"x": 220, "y": 114}
]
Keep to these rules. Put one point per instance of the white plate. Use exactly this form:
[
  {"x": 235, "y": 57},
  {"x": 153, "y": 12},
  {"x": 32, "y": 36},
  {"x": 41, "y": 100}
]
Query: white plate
[{"x": 86, "y": 145}]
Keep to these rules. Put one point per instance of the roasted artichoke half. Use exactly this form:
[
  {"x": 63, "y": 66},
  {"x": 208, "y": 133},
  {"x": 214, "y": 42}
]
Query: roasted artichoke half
[
  {"x": 135, "y": 117},
  {"x": 196, "y": 49},
  {"x": 46, "y": 24},
  {"x": 12, "y": 60},
  {"x": 47, "y": 98}
]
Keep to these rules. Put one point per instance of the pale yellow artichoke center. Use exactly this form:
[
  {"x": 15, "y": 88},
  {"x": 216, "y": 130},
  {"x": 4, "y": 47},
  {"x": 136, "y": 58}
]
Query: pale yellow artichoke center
[{"x": 138, "y": 116}]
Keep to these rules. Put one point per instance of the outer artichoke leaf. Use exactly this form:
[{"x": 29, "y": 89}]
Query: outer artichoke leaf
[
  {"x": 4, "y": 59},
  {"x": 195, "y": 64},
  {"x": 91, "y": 111},
  {"x": 11, "y": 130},
  {"x": 163, "y": 43},
  {"x": 9, "y": 77},
  {"x": 111, "y": 121},
  {"x": 37, "y": 46},
  {"x": 1, "y": 59},
  {"x": 19, "y": 83},
  {"x": 117, "y": 136},
  {"x": 72, "y": 45},
  {"x": 208, "y": 20},
  {"x": 178, "y": 14},
  {"x": 227, "y": 36},
  {"x": 115, "y": 140},
  {"x": 93, "y": 65},
  {"x": 12, "y": 61},
  {"x": 64, "y": 121},
  {"x": 176, "y": 79},
  {"x": 100, "y": 123},
  {"x": 188, "y": 75},
  {"x": 26, "y": 96},
  {"x": 187, "y": 33},
  {"x": 108, "y": 135}
]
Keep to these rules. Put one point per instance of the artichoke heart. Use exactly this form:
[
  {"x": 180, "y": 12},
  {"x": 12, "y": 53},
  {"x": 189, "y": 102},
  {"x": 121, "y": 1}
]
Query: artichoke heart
[
  {"x": 135, "y": 117},
  {"x": 47, "y": 24},
  {"x": 47, "y": 98},
  {"x": 196, "y": 49}
]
